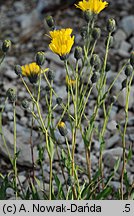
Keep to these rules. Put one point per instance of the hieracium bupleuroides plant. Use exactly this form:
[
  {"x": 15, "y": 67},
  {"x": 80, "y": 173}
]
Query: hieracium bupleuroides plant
[{"x": 87, "y": 72}]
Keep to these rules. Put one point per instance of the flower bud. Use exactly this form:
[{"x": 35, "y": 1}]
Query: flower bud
[
  {"x": 11, "y": 94},
  {"x": 96, "y": 32},
  {"x": 62, "y": 128},
  {"x": 6, "y": 45},
  {"x": 112, "y": 99},
  {"x": 128, "y": 70},
  {"x": 47, "y": 88},
  {"x": 83, "y": 32},
  {"x": 50, "y": 75},
  {"x": 132, "y": 59},
  {"x": 94, "y": 78},
  {"x": 59, "y": 100},
  {"x": 50, "y": 21},
  {"x": 18, "y": 70},
  {"x": 111, "y": 25},
  {"x": 78, "y": 53},
  {"x": 108, "y": 67},
  {"x": 95, "y": 60},
  {"x": 40, "y": 58},
  {"x": 25, "y": 104},
  {"x": 124, "y": 83}
]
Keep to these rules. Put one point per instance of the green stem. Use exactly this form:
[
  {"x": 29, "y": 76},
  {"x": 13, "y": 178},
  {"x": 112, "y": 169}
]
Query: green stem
[
  {"x": 2, "y": 59},
  {"x": 124, "y": 133},
  {"x": 15, "y": 150},
  {"x": 31, "y": 140}
]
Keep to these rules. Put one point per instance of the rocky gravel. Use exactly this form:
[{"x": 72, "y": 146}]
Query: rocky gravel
[{"x": 23, "y": 23}]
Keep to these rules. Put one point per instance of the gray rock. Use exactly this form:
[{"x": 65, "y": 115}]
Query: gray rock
[
  {"x": 9, "y": 192},
  {"x": 10, "y": 116},
  {"x": 19, "y": 111},
  {"x": 109, "y": 160},
  {"x": 115, "y": 185},
  {"x": 112, "y": 141},
  {"x": 122, "y": 98},
  {"x": 127, "y": 24},
  {"x": 53, "y": 57},
  {"x": 8, "y": 107},
  {"x": 124, "y": 49},
  {"x": 112, "y": 125},
  {"x": 132, "y": 42},
  {"x": 19, "y": 6},
  {"x": 9, "y": 73},
  {"x": 27, "y": 21},
  {"x": 23, "y": 132},
  {"x": 24, "y": 157},
  {"x": 23, "y": 121},
  {"x": 115, "y": 152},
  {"x": 131, "y": 136},
  {"x": 119, "y": 36},
  {"x": 61, "y": 91},
  {"x": 125, "y": 46}
]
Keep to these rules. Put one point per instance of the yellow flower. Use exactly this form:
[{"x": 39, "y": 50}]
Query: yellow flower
[
  {"x": 70, "y": 82},
  {"x": 31, "y": 71},
  {"x": 95, "y": 6},
  {"x": 62, "y": 41}
]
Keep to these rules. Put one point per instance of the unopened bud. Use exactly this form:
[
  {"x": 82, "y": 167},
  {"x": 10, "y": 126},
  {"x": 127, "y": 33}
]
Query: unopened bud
[
  {"x": 124, "y": 83},
  {"x": 6, "y": 45},
  {"x": 111, "y": 25},
  {"x": 11, "y": 94},
  {"x": 96, "y": 32},
  {"x": 108, "y": 67},
  {"x": 132, "y": 59},
  {"x": 94, "y": 78},
  {"x": 25, "y": 104},
  {"x": 47, "y": 88},
  {"x": 78, "y": 53},
  {"x": 112, "y": 99},
  {"x": 50, "y": 75},
  {"x": 83, "y": 32},
  {"x": 18, "y": 69},
  {"x": 59, "y": 100},
  {"x": 128, "y": 70},
  {"x": 50, "y": 21},
  {"x": 95, "y": 59},
  {"x": 40, "y": 58}
]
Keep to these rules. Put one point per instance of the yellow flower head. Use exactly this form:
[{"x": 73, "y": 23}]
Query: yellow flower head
[
  {"x": 61, "y": 42},
  {"x": 61, "y": 124},
  {"x": 95, "y": 6},
  {"x": 70, "y": 82},
  {"x": 31, "y": 71}
]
